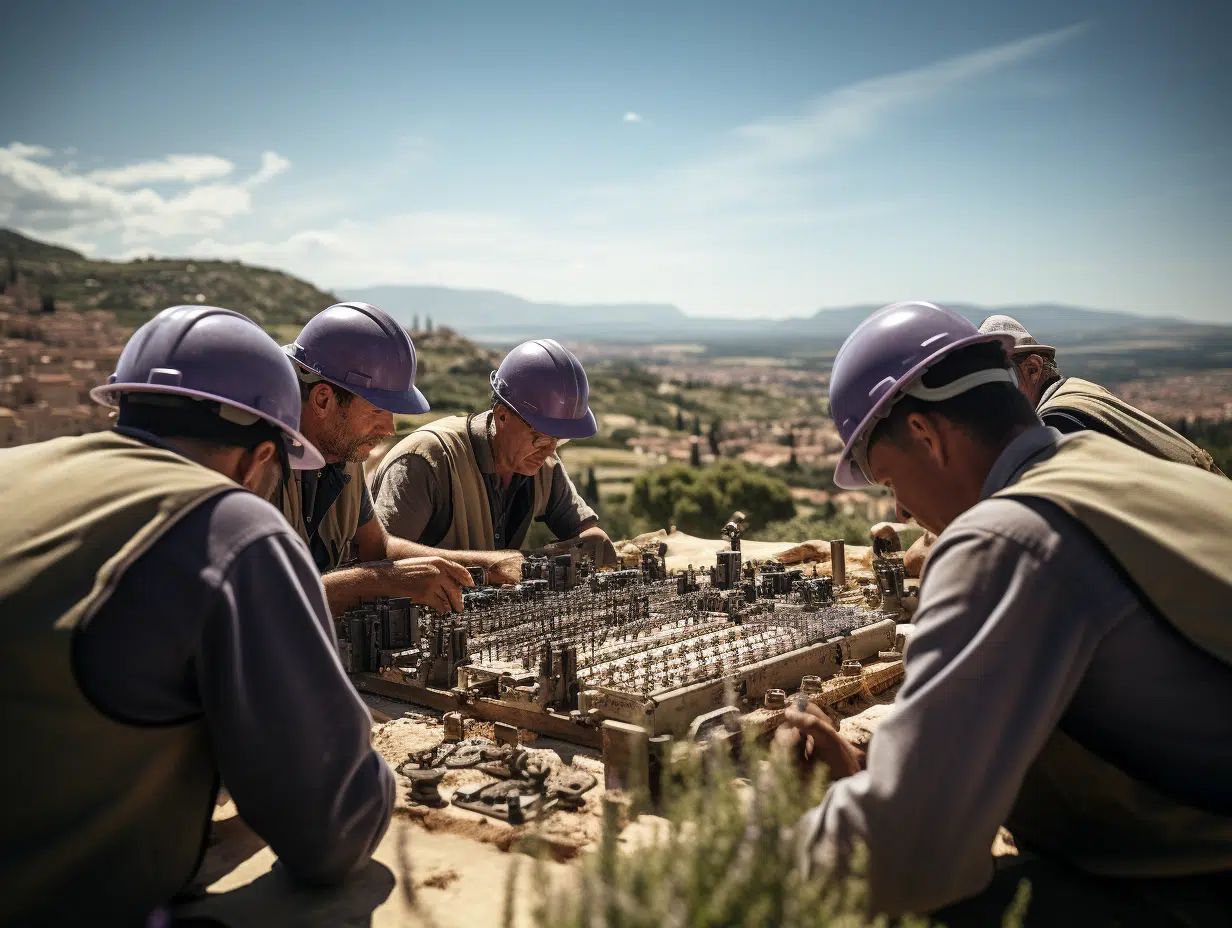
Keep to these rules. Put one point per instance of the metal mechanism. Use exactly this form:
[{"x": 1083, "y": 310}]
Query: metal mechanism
[
  {"x": 527, "y": 787},
  {"x": 570, "y": 647}
]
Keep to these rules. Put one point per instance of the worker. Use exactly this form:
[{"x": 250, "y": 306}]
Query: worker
[
  {"x": 1069, "y": 404},
  {"x": 161, "y": 627},
  {"x": 479, "y": 481},
  {"x": 1071, "y": 666},
  {"x": 356, "y": 368}
]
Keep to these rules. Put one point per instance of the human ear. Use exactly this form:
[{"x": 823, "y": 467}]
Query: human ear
[{"x": 924, "y": 431}]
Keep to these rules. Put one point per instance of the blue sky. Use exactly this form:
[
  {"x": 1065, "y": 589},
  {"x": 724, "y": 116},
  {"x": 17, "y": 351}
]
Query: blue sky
[{"x": 732, "y": 158}]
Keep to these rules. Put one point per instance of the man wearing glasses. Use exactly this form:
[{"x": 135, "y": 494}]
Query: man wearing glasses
[{"x": 476, "y": 482}]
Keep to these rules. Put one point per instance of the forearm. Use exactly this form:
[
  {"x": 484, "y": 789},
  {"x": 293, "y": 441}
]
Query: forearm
[
  {"x": 347, "y": 588},
  {"x": 318, "y": 794},
  {"x": 992, "y": 665},
  {"x": 396, "y": 548}
]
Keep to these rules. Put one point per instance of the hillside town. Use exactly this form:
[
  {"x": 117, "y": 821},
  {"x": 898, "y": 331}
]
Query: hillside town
[{"x": 49, "y": 362}]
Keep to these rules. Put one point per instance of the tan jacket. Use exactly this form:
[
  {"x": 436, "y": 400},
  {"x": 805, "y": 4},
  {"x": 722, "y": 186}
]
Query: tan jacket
[
  {"x": 449, "y": 438},
  {"x": 1131, "y": 425},
  {"x": 103, "y": 821},
  {"x": 341, "y": 523},
  {"x": 1169, "y": 526}
]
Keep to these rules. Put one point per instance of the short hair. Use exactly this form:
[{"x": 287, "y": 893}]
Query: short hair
[
  {"x": 171, "y": 416},
  {"x": 989, "y": 413},
  {"x": 341, "y": 395}
]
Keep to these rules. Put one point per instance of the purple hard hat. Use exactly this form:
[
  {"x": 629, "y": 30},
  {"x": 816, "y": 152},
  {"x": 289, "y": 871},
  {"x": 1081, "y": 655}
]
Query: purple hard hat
[
  {"x": 215, "y": 355},
  {"x": 546, "y": 385},
  {"x": 361, "y": 348},
  {"x": 882, "y": 358}
]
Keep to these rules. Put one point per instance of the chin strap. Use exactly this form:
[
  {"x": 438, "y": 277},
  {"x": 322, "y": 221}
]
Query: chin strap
[{"x": 961, "y": 385}]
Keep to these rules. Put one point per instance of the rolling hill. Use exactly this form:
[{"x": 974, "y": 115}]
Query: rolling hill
[
  {"x": 498, "y": 317},
  {"x": 136, "y": 290}
]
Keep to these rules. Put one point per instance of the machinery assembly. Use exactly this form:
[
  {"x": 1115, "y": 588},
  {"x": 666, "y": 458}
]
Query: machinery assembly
[{"x": 571, "y": 648}]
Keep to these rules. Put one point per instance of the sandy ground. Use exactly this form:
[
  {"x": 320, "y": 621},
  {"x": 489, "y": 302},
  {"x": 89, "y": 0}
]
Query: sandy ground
[{"x": 459, "y": 861}]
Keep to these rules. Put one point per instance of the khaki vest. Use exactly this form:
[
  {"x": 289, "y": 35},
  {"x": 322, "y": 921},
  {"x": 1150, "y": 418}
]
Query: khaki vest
[
  {"x": 1131, "y": 425},
  {"x": 1169, "y": 527},
  {"x": 341, "y": 523},
  {"x": 102, "y": 821},
  {"x": 471, "y": 527}
]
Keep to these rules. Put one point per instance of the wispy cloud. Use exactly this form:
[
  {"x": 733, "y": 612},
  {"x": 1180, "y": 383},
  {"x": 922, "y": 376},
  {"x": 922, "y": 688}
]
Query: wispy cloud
[
  {"x": 633, "y": 117},
  {"x": 57, "y": 201},
  {"x": 760, "y": 160},
  {"x": 173, "y": 168}
]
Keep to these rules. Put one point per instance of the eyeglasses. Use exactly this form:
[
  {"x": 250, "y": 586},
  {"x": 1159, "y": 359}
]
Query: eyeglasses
[{"x": 539, "y": 440}]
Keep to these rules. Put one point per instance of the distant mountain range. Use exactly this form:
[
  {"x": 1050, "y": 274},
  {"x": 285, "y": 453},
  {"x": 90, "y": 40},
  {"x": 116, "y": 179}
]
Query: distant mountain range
[
  {"x": 497, "y": 317},
  {"x": 135, "y": 290}
]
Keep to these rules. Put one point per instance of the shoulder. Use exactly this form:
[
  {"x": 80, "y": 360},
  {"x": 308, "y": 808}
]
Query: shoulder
[
  {"x": 1026, "y": 538},
  {"x": 427, "y": 444},
  {"x": 1022, "y": 525},
  {"x": 226, "y": 526}
]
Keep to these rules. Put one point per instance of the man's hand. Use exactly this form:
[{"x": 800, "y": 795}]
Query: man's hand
[
  {"x": 592, "y": 541},
  {"x": 809, "y": 739},
  {"x": 429, "y": 581},
  {"x": 507, "y": 571}
]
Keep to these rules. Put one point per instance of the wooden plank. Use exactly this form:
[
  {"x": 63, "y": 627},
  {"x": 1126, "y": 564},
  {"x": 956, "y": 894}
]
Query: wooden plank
[{"x": 552, "y": 724}]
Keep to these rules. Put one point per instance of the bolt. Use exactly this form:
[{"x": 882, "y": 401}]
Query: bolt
[{"x": 775, "y": 699}]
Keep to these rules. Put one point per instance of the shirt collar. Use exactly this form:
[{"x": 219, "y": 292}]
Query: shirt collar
[
  {"x": 1036, "y": 442},
  {"x": 148, "y": 437},
  {"x": 1047, "y": 394}
]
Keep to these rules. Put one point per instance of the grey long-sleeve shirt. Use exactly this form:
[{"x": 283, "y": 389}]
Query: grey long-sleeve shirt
[
  {"x": 1023, "y": 625},
  {"x": 225, "y": 617}
]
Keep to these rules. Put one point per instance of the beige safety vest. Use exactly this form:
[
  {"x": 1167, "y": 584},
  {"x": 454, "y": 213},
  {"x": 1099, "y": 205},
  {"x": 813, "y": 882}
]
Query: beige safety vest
[
  {"x": 102, "y": 821},
  {"x": 471, "y": 527},
  {"x": 1169, "y": 526},
  {"x": 341, "y": 522},
  {"x": 1131, "y": 425}
]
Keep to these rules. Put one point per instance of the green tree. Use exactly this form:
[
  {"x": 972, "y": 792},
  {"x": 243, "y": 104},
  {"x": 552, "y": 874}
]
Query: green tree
[
  {"x": 591, "y": 491},
  {"x": 679, "y": 419},
  {"x": 697, "y": 426},
  {"x": 698, "y": 500},
  {"x": 715, "y": 436}
]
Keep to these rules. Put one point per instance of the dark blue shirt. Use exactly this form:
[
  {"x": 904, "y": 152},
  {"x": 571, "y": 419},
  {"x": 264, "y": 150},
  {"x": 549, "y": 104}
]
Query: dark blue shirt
[
  {"x": 321, "y": 490},
  {"x": 225, "y": 617}
]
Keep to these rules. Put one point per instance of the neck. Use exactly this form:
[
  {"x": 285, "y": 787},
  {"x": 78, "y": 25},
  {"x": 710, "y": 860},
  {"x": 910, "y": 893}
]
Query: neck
[
  {"x": 223, "y": 460},
  {"x": 1044, "y": 387},
  {"x": 968, "y": 485},
  {"x": 501, "y": 464}
]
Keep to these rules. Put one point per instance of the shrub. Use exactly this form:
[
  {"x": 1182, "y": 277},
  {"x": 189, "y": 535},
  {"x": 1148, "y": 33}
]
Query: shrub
[{"x": 700, "y": 500}]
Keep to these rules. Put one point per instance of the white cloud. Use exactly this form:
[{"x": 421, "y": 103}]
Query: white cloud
[
  {"x": 731, "y": 229},
  {"x": 61, "y": 203},
  {"x": 22, "y": 150},
  {"x": 272, "y": 164},
  {"x": 173, "y": 168}
]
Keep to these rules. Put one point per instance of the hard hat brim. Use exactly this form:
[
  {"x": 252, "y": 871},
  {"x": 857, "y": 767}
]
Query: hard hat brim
[
  {"x": 400, "y": 402},
  {"x": 585, "y": 427},
  {"x": 301, "y": 453},
  {"x": 847, "y": 474},
  {"x": 408, "y": 403}
]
